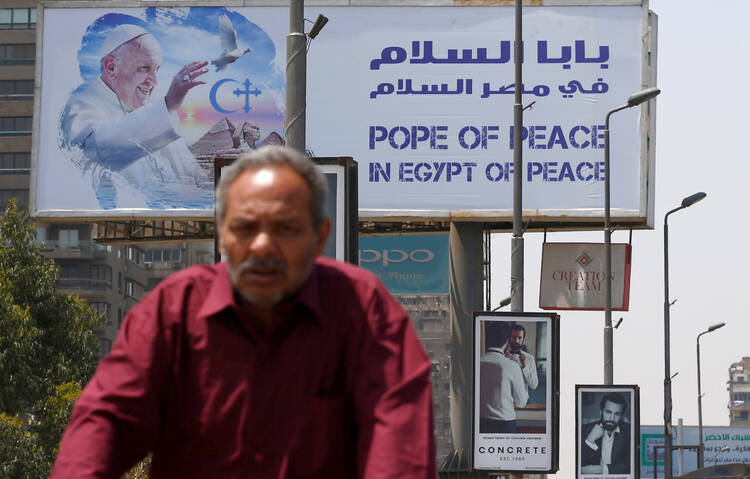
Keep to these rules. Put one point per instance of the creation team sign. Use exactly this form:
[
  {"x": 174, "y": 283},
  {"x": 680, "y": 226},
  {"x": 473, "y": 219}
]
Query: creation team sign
[
  {"x": 136, "y": 102},
  {"x": 424, "y": 99}
]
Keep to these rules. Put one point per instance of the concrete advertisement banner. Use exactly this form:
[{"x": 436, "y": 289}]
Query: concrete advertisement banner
[
  {"x": 723, "y": 445},
  {"x": 414, "y": 94},
  {"x": 413, "y": 264},
  {"x": 574, "y": 276},
  {"x": 516, "y": 383}
]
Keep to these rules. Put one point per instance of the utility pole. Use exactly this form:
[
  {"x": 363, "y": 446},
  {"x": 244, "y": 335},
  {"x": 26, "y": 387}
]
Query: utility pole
[
  {"x": 296, "y": 77},
  {"x": 516, "y": 254}
]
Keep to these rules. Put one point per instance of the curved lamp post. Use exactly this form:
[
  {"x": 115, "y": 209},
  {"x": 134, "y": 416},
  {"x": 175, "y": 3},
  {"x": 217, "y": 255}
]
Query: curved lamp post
[
  {"x": 689, "y": 201},
  {"x": 634, "y": 100},
  {"x": 701, "y": 451}
]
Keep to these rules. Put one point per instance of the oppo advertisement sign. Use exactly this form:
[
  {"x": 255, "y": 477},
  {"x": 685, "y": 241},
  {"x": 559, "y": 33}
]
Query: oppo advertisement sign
[{"x": 414, "y": 264}]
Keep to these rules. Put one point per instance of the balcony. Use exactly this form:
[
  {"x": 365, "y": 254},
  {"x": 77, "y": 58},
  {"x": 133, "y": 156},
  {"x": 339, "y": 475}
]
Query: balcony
[
  {"x": 82, "y": 249},
  {"x": 79, "y": 284}
]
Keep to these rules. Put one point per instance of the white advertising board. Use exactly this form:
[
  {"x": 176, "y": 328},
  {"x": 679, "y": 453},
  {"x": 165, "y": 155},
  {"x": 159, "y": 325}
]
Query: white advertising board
[
  {"x": 421, "y": 97},
  {"x": 574, "y": 276},
  {"x": 516, "y": 386}
]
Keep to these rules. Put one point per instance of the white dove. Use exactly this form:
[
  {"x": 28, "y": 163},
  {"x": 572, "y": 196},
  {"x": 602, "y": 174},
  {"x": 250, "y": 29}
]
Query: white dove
[{"x": 228, "y": 38}]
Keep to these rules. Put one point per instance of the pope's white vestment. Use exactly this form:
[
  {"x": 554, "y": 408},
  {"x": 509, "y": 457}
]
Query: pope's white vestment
[{"x": 135, "y": 159}]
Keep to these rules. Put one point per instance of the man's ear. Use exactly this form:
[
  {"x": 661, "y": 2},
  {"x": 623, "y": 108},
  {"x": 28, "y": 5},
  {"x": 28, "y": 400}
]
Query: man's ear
[
  {"x": 217, "y": 230},
  {"x": 108, "y": 65},
  {"x": 323, "y": 231}
]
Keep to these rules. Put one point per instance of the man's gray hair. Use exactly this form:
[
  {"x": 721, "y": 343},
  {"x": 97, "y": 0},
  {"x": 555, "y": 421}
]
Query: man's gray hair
[{"x": 275, "y": 156}]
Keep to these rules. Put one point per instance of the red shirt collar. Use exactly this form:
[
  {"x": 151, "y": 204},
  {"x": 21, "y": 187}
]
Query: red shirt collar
[{"x": 221, "y": 295}]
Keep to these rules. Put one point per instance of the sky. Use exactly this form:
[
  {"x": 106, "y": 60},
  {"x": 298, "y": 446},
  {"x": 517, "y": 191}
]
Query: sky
[{"x": 699, "y": 138}]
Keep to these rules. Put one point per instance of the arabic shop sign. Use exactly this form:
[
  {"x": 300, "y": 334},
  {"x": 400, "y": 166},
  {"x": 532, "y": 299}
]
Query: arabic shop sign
[
  {"x": 425, "y": 97},
  {"x": 724, "y": 445}
]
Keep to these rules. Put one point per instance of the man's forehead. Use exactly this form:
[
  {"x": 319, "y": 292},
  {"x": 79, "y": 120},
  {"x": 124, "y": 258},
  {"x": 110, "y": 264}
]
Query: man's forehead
[
  {"x": 266, "y": 183},
  {"x": 610, "y": 405},
  {"x": 141, "y": 48}
]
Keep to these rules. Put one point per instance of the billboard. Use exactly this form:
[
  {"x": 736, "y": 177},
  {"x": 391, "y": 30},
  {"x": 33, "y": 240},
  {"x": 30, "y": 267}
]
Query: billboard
[
  {"x": 410, "y": 264},
  {"x": 425, "y": 97},
  {"x": 136, "y": 102},
  {"x": 574, "y": 276},
  {"x": 420, "y": 96},
  {"x": 516, "y": 391},
  {"x": 723, "y": 445},
  {"x": 607, "y": 425}
]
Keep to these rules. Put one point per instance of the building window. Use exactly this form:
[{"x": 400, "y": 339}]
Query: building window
[
  {"x": 105, "y": 345},
  {"x": 17, "y": 18},
  {"x": 119, "y": 281},
  {"x": 743, "y": 415},
  {"x": 15, "y": 125},
  {"x": 15, "y": 53},
  {"x": 119, "y": 318},
  {"x": 21, "y": 195},
  {"x": 129, "y": 288},
  {"x": 151, "y": 283},
  {"x": 15, "y": 163},
  {"x": 169, "y": 255},
  {"x": 101, "y": 272},
  {"x": 68, "y": 271},
  {"x": 17, "y": 88}
]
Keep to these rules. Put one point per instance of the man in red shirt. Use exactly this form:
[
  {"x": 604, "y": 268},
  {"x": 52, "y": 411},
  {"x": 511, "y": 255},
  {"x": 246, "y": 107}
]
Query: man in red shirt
[{"x": 275, "y": 363}]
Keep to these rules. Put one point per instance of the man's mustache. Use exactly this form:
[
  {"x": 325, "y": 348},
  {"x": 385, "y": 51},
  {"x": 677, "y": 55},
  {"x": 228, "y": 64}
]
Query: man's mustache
[
  {"x": 609, "y": 425},
  {"x": 254, "y": 262}
]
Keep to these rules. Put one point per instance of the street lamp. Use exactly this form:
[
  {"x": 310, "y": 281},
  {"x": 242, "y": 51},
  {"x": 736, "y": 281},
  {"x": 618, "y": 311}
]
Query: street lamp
[
  {"x": 634, "y": 100},
  {"x": 701, "y": 451},
  {"x": 689, "y": 201}
]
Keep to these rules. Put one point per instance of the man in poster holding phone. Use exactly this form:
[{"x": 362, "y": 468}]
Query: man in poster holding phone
[
  {"x": 502, "y": 386},
  {"x": 606, "y": 443},
  {"x": 517, "y": 352}
]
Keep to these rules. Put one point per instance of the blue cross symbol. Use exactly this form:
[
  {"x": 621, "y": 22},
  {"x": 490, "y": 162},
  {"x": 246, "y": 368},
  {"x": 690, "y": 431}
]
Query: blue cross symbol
[{"x": 247, "y": 92}]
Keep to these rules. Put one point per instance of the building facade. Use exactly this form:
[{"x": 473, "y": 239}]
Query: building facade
[{"x": 739, "y": 393}]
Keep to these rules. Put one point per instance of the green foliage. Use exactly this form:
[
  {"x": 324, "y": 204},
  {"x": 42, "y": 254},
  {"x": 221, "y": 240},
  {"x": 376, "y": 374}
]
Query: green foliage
[
  {"x": 48, "y": 338},
  {"x": 21, "y": 456},
  {"x": 52, "y": 415},
  {"x": 48, "y": 348}
]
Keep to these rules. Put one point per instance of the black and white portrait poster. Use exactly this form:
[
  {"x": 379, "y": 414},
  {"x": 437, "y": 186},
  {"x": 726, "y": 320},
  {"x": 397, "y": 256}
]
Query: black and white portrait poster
[
  {"x": 607, "y": 431},
  {"x": 515, "y": 381}
]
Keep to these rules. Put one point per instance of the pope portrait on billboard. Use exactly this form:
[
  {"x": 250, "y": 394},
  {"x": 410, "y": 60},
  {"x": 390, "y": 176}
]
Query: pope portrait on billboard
[{"x": 160, "y": 96}]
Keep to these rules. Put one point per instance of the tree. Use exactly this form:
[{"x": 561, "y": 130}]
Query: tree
[
  {"x": 48, "y": 338},
  {"x": 48, "y": 348}
]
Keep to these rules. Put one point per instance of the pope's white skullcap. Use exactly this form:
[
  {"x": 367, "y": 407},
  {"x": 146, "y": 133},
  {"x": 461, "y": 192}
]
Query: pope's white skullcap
[{"x": 119, "y": 35}]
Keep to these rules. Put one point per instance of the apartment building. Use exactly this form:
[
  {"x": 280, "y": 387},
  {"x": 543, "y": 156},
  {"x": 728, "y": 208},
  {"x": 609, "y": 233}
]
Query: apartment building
[{"x": 739, "y": 393}]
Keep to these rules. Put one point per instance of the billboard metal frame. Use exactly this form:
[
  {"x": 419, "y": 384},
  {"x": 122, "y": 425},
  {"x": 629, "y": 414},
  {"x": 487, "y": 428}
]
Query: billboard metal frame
[{"x": 345, "y": 168}]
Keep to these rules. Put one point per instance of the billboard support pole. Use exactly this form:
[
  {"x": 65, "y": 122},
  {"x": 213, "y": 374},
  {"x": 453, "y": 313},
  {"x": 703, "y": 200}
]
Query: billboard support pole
[
  {"x": 465, "y": 298},
  {"x": 296, "y": 72},
  {"x": 516, "y": 255}
]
